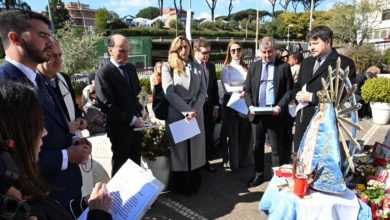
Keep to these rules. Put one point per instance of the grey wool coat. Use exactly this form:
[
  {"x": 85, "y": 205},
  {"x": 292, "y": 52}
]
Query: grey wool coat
[{"x": 185, "y": 92}]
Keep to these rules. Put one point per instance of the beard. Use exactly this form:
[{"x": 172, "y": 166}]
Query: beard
[{"x": 34, "y": 53}]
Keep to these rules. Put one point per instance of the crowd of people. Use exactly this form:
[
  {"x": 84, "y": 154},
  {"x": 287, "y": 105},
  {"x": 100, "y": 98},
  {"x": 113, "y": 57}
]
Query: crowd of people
[{"x": 39, "y": 119}]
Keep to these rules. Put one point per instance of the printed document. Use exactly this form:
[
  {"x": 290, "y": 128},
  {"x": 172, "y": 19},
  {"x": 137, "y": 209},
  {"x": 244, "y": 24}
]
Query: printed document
[
  {"x": 238, "y": 104},
  {"x": 184, "y": 129},
  {"x": 133, "y": 191}
]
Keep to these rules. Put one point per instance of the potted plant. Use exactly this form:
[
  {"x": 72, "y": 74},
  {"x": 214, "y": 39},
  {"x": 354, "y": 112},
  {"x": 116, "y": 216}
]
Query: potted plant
[
  {"x": 377, "y": 92},
  {"x": 155, "y": 149},
  {"x": 78, "y": 91}
]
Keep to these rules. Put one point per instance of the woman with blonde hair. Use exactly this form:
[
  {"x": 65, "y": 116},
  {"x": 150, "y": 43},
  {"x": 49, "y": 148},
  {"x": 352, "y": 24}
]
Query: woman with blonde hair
[
  {"x": 185, "y": 90},
  {"x": 155, "y": 78},
  {"x": 236, "y": 126}
]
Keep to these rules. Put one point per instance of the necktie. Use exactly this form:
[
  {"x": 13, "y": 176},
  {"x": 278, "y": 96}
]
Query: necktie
[
  {"x": 125, "y": 73},
  {"x": 204, "y": 72},
  {"x": 316, "y": 65},
  {"x": 263, "y": 86},
  {"x": 43, "y": 90}
]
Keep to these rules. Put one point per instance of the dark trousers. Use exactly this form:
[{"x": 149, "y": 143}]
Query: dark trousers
[
  {"x": 209, "y": 125},
  {"x": 123, "y": 148},
  {"x": 238, "y": 133},
  {"x": 275, "y": 128}
]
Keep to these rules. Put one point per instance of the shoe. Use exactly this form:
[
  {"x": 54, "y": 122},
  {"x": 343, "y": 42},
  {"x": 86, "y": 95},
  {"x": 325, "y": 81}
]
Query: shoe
[{"x": 256, "y": 180}]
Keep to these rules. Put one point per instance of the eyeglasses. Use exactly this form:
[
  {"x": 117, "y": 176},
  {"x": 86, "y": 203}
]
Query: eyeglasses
[
  {"x": 285, "y": 56},
  {"x": 205, "y": 53},
  {"x": 238, "y": 50}
]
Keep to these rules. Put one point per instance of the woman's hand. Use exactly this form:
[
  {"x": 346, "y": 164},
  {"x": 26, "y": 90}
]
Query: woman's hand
[
  {"x": 242, "y": 94},
  {"x": 191, "y": 114},
  {"x": 99, "y": 198}
]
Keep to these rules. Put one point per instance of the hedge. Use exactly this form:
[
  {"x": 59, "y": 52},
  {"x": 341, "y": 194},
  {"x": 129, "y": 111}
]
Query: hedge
[{"x": 151, "y": 31}]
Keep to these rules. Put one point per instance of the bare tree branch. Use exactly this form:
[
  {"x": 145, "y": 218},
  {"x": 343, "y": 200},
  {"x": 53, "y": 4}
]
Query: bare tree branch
[
  {"x": 212, "y": 7},
  {"x": 284, "y": 4}
]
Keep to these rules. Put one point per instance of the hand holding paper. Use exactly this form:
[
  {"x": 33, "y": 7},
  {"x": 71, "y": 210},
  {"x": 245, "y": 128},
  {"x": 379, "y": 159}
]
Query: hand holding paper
[{"x": 236, "y": 102}]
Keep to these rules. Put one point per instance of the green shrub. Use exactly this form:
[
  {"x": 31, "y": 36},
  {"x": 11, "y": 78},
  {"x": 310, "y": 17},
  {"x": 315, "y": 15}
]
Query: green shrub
[
  {"x": 155, "y": 143},
  {"x": 145, "y": 84},
  {"x": 78, "y": 87},
  {"x": 172, "y": 24},
  {"x": 376, "y": 90},
  {"x": 387, "y": 56}
]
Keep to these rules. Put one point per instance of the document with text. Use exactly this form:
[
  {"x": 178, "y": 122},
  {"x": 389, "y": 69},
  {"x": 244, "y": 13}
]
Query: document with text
[
  {"x": 133, "y": 191},
  {"x": 184, "y": 129}
]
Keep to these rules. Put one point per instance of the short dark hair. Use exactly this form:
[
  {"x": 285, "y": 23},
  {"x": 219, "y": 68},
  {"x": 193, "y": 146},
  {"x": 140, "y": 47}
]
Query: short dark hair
[
  {"x": 322, "y": 32},
  {"x": 16, "y": 21},
  {"x": 298, "y": 56},
  {"x": 201, "y": 42}
]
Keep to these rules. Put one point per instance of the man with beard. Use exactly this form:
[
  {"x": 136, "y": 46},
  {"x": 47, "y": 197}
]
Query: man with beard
[{"x": 26, "y": 41}]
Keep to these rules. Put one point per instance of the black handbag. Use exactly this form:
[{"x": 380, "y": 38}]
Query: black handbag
[{"x": 160, "y": 104}]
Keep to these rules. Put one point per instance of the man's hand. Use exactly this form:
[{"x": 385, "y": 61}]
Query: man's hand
[
  {"x": 83, "y": 123},
  {"x": 138, "y": 123},
  {"x": 242, "y": 94},
  {"x": 215, "y": 113},
  {"x": 303, "y": 96},
  {"x": 79, "y": 152},
  {"x": 99, "y": 198},
  {"x": 77, "y": 124},
  {"x": 276, "y": 110}
]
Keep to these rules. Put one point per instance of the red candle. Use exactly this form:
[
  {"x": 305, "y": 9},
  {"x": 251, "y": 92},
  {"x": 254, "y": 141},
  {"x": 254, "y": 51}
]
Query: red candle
[{"x": 300, "y": 185}]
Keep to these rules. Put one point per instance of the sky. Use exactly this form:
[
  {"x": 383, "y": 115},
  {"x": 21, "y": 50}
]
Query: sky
[{"x": 200, "y": 7}]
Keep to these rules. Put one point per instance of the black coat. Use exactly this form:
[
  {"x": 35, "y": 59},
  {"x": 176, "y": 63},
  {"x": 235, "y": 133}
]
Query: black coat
[
  {"x": 313, "y": 84},
  {"x": 283, "y": 83},
  {"x": 212, "y": 90},
  {"x": 117, "y": 98}
]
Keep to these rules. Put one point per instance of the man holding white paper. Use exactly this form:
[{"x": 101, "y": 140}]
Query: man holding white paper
[
  {"x": 268, "y": 86},
  {"x": 312, "y": 69}
]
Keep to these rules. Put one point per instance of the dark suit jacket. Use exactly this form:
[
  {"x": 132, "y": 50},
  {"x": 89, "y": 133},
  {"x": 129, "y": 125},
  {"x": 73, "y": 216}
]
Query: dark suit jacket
[
  {"x": 212, "y": 90},
  {"x": 117, "y": 98},
  {"x": 57, "y": 90},
  {"x": 313, "y": 84},
  {"x": 283, "y": 83},
  {"x": 66, "y": 183}
]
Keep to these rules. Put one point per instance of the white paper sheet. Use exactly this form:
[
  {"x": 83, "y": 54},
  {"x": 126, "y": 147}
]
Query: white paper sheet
[
  {"x": 301, "y": 105},
  {"x": 292, "y": 109},
  {"x": 184, "y": 129},
  {"x": 133, "y": 191},
  {"x": 237, "y": 103}
]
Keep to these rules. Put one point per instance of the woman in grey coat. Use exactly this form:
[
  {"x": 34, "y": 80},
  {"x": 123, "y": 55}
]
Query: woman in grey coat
[{"x": 185, "y": 89}]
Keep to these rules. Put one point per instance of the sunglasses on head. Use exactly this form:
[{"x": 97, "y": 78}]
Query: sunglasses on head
[{"x": 238, "y": 50}]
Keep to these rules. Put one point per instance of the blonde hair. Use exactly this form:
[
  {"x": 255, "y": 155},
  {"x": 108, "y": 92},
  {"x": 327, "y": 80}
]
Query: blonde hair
[
  {"x": 228, "y": 58},
  {"x": 156, "y": 74},
  {"x": 174, "y": 59}
]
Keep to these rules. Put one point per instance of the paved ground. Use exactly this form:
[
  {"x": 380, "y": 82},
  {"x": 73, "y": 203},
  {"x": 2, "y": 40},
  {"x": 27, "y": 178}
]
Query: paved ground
[{"x": 224, "y": 195}]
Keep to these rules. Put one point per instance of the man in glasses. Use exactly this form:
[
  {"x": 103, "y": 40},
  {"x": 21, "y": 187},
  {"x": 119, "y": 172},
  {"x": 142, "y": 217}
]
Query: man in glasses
[
  {"x": 62, "y": 87},
  {"x": 268, "y": 84},
  {"x": 211, "y": 106}
]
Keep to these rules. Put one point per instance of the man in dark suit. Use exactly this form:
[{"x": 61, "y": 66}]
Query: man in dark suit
[
  {"x": 62, "y": 87},
  {"x": 26, "y": 40},
  {"x": 117, "y": 87},
  {"x": 211, "y": 106},
  {"x": 268, "y": 84},
  {"x": 312, "y": 70}
]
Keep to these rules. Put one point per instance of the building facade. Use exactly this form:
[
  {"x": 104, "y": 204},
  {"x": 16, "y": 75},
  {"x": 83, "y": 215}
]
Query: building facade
[{"x": 81, "y": 15}]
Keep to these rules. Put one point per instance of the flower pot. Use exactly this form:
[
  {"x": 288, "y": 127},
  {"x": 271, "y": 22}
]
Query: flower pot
[
  {"x": 158, "y": 168},
  {"x": 380, "y": 112}
]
